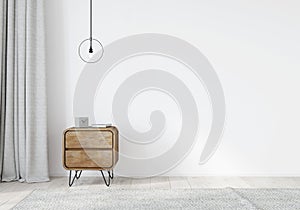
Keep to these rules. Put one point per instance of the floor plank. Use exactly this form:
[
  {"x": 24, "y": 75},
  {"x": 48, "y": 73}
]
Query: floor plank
[
  {"x": 179, "y": 183},
  {"x": 141, "y": 183},
  {"x": 160, "y": 182},
  {"x": 217, "y": 182},
  {"x": 121, "y": 183},
  {"x": 272, "y": 182}
]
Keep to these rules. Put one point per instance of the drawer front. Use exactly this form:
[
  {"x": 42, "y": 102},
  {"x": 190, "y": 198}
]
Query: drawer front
[
  {"x": 88, "y": 159},
  {"x": 88, "y": 139}
]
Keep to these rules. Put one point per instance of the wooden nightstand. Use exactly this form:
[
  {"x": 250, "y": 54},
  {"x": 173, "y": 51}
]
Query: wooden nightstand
[{"x": 90, "y": 149}]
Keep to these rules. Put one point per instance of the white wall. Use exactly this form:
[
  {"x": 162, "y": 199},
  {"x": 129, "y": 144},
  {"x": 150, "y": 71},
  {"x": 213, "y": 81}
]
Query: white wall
[{"x": 254, "y": 46}]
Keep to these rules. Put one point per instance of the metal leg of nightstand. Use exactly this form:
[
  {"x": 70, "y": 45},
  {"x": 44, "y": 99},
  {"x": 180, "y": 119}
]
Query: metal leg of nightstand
[
  {"x": 76, "y": 176},
  {"x": 107, "y": 180},
  {"x": 111, "y": 175}
]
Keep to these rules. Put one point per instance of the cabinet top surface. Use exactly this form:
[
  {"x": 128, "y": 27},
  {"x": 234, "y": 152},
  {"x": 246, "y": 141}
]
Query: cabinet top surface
[{"x": 90, "y": 128}]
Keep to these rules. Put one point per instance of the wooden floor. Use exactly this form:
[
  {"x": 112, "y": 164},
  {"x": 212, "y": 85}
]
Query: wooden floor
[{"x": 13, "y": 192}]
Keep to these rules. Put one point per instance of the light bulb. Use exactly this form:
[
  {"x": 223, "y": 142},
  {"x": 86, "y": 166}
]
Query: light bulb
[{"x": 88, "y": 54}]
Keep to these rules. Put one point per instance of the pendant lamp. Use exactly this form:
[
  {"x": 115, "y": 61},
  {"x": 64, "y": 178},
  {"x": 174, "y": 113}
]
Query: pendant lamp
[{"x": 91, "y": 50}]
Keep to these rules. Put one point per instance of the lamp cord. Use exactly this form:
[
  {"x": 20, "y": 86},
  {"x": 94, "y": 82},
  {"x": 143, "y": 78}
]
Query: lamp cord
[{"x": 91, "y": 26}]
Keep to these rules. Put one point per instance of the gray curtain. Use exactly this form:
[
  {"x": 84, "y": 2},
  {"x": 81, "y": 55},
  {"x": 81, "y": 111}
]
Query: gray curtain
[{"x": 23, "y": 117}]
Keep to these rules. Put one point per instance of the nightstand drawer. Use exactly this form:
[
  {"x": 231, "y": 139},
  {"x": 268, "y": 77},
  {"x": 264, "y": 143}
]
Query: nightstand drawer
[
  {"x": 89, "y": 158},
  {"x": 89, "y": 139}
]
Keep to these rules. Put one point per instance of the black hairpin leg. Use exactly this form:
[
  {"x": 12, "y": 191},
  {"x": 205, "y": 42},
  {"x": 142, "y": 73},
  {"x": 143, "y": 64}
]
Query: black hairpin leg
[
  {"x": 111, "y": 175},
  {"x": 107, "y": 180},
  {"x": 76, "y": 176}
]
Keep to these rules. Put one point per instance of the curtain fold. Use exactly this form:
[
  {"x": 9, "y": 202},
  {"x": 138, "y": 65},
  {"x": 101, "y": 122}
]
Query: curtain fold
[{"x": 23, "y": 113}]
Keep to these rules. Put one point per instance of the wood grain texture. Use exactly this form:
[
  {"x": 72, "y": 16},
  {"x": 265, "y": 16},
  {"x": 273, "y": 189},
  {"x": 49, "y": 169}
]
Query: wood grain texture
[
  {"x": 89, "y": 139},
  {"x": 89, "y": 158},
  {"x": 90, "y": 148}
]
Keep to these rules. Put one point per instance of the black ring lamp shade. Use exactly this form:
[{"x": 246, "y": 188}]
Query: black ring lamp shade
[{"x": 91, "y": 50}]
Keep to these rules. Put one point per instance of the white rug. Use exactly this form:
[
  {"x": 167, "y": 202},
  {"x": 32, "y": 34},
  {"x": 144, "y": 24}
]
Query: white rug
[{"x": 214, "y": 199}]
